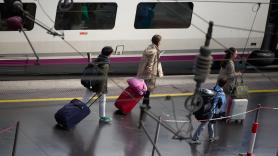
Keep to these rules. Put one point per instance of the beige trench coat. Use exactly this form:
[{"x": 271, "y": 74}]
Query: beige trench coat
[
  {"x": 228, "y": 73},
  {"x": 150, "y": 67}
]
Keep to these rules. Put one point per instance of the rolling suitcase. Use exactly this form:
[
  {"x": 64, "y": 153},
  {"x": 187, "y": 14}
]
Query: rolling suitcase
[
  {"x": 127, "y": 100},
  {"x": 238, "y": 106},
  {"x": 72, "y": 113}
]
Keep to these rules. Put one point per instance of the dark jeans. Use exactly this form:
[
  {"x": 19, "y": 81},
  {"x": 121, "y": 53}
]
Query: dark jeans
[
  {"x": 146, "y": 99},
  {"x": 202, "y": 127}
]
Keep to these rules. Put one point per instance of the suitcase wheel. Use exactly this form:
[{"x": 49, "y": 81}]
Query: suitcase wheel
[{"x": 228, "y": 121}]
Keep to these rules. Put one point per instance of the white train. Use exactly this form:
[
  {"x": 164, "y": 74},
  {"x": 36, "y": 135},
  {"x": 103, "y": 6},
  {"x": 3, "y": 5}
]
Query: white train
[{"x": 127, "y": 26}]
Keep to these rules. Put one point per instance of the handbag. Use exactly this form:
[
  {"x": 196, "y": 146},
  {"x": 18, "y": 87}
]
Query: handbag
[{"x": 240, "y": 90}]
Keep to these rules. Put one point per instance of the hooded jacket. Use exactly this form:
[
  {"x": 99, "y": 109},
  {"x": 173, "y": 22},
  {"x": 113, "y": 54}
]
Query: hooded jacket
[
  {"x": 219, "y": 99},
  {"x": 228, "y": 73},
  {"x": 103, "y": 64}
]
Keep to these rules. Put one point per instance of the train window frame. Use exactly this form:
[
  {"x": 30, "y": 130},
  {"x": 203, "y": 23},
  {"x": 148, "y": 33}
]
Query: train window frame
[
  {"x": 187, "y": 23},
  {"x": 28, "y": 27},
  {"x": 114, "y": 5}
]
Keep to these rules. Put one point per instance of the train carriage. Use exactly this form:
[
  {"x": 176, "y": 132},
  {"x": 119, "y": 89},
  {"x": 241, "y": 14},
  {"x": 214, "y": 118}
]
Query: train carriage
[{"x": 85, "y": 26}]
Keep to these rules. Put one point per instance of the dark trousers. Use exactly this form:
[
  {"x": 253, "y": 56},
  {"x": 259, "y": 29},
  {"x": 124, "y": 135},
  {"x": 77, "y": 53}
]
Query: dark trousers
[
  {"x": 146, "y": 99},
  {"x": 202, "y": 127}
]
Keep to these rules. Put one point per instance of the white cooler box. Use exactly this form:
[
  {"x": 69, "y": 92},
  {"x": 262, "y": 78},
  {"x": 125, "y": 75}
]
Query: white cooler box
[{"x": 238, "y": 106}]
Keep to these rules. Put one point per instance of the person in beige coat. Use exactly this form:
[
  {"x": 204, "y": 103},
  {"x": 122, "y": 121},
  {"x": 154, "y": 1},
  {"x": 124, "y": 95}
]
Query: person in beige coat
[
  {"x": 227, "y": 70},
  {"x": 150, "y": 67},
  {"x": 228, "y": 73}
]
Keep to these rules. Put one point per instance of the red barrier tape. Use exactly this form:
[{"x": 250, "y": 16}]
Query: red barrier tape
[{"x": 4, "y": 130}]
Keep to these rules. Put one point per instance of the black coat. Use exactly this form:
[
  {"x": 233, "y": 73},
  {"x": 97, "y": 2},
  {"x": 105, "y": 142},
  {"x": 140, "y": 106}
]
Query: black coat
[{"x": 103, "y": 66}]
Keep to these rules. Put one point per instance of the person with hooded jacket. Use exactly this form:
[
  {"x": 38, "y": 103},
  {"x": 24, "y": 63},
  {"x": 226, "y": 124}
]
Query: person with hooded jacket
[
  {"x": 150, "y": 67},
  {"x": 212, "y": 102},
  {"x": 103, "y": 63}
]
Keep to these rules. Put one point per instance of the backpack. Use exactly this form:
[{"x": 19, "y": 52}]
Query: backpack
[
  {"x": 92, "y": 77},
  {"x": 205, "y": 111}
]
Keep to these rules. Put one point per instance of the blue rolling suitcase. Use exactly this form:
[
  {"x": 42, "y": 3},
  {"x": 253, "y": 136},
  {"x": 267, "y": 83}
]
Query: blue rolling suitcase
[{"x": 72, "y": 113}]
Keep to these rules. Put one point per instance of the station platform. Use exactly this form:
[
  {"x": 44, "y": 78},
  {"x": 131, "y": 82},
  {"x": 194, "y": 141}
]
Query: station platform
[{"x": 33, "y": 102}]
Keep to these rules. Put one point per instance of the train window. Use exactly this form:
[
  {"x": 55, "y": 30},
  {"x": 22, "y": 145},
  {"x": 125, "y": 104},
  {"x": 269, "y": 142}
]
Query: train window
[
  {"x": 87, "y": 16},
  {"x": 6, "y": 12},
  {"x": 163, "y": 15}
]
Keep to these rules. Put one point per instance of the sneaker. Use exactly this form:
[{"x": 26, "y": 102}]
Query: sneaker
[
  {"x": 105, "y": 119},
  {"x": 195, "y": 141},
  {"x": 147, "y": 106},
  {"x": 212, "y": 139},
  {"x": 222, "y": 114},
  {"x": 119, "y": 112}
]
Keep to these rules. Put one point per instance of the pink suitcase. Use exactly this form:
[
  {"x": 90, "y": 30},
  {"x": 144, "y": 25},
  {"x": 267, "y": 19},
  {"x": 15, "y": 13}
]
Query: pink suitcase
[{"x": 138, "y": 85}]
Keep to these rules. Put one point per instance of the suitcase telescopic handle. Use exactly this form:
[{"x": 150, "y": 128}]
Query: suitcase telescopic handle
[{"x": 92, "y": 99}]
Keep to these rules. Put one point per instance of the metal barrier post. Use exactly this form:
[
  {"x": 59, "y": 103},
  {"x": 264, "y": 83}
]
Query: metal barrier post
[
  {"x": 156, "y": 134},
  {"x": 15, "y": 139},
  {"x": 150, "y": 139},
  {"x": 255, "y": 127},
  {"x": 142, "y": 115},
  {"x": 163, "y": 124}
]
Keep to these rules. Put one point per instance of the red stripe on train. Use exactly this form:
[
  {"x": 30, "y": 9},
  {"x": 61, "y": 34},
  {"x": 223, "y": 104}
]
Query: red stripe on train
[{"x": 126, "y": 59}]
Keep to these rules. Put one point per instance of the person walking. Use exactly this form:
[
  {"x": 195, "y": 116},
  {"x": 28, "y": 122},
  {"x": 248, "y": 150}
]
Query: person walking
[
  {"x": 212, "y": 102},
  {"x": 150, "y": 67},
  {"x": 102, "y": 62},
  {"x": 228, "y": 73}
]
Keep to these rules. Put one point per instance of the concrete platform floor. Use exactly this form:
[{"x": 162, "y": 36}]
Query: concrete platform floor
[{"x": 39, "y": 135}]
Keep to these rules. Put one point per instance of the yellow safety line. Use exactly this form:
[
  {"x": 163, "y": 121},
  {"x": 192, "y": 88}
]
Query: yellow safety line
[
  {"x": 115, "y": 97},
  {"x": 263, "y": 91}
]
